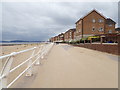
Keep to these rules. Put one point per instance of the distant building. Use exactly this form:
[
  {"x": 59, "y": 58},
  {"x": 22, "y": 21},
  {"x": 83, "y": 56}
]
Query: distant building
[
  {"x": 51, "y": 39},
  {"x": 61, "y": 37},
  {"x": 92, "y": 24},
  {"x": 69, "y": 35},
  {"x": 55, "y": 39}
]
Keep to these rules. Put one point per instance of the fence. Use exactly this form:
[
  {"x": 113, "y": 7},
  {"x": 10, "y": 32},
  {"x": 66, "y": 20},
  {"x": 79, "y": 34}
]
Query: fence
[{"x": 6, "y": 69}]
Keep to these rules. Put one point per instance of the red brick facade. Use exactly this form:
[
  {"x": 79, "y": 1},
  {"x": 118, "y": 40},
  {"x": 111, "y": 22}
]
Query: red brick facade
[
  {"x": 69, "y": 35},
  {"x": 91, "y": 24},
  {"x": 61, "y": 37}
]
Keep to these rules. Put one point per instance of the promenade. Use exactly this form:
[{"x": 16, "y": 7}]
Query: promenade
[{"x": 73, "y": 67}]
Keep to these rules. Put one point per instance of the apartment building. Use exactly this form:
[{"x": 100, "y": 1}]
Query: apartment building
[
  {"x": 69, "y": 35},
  {"x": 61, "y": 37},
  {"x": 51, "y": 39},
  {"x": 93, "y": 23},
  {"x": 55, "y": 39}
]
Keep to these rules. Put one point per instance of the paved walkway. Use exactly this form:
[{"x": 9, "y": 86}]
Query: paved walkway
[{"x": 73, "y": 67}]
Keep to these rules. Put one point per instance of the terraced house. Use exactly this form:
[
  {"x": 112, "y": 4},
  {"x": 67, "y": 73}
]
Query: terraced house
[
  {"x": 55, "y": 39},
  {"x": 61, "y": 37},
  {"x": 69, "y": 35},
  {"x": 93, "y": 23},
  {"x": 51, "y": 39}
]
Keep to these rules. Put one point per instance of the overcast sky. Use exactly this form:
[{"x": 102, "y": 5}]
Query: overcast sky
[{"x": 42, "y": 20}]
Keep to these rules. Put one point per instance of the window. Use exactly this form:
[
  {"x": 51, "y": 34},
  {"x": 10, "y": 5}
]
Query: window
[
  {"x": 93, "y": 20},
  {"x": 100, "y": 20},
  {"x": 93, "y": 28},
  {"x": 110, "y": 31},
  {"x": 109, "y": 25},
  {"x": 100, "y": 29}
]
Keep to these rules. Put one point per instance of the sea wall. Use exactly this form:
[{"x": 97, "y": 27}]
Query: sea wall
[{"x": 113, "y": 49}]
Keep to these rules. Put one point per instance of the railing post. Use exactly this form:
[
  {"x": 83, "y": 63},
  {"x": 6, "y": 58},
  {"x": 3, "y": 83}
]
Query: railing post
[
  {"x": 47, "y": 48},
  {"x": 5, "y": 71},
  {"x": 40, "y": 51},
  {"x": 38, "y": 61},
  {"x": 0, "y": 75},
  {"x": 29, "y": 71},
  {"x": 43, "y": 52},
  {"x": 0, "y": 84}
]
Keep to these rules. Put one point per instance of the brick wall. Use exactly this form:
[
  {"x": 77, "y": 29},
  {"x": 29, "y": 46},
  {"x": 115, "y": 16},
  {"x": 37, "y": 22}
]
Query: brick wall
[
  {"x": 93, "y": 24},
  {"x": 69, "y": 35},
  {"x": 78, "y": 31},
  {"x": 88, "y": 24},
  {"x": 107, "y": 28},
  {"x": 113, "y": 49}
]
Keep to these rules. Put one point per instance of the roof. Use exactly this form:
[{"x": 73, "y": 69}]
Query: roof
[
  {"x": 110, "y": 21},
  {"x": 61, "y": 34},
  {"x": 90, "y": 13},
  {"x": 73, "y": 29},
  {"x": 117, "y": 29},
  {"x": 55, "y": 36}
]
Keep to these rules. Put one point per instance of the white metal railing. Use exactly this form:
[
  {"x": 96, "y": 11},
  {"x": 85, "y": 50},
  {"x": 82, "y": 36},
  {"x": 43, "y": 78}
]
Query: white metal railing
[{"x": 43, "y": 50}]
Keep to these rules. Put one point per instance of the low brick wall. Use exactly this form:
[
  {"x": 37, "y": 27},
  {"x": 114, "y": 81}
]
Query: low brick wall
[{"x": 113, "y": 49}]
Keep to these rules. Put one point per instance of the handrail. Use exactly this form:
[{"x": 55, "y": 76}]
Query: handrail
[
  {"x": 21, "y": 74},
  {"x": 43, "y": 50},
  {"x": 23, "y": 62},
  {"x": 15, "y": 53}
]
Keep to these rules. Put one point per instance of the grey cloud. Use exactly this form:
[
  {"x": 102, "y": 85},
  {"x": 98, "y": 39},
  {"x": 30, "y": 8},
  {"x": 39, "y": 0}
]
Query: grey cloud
[{"x": 40, "y": 21}]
